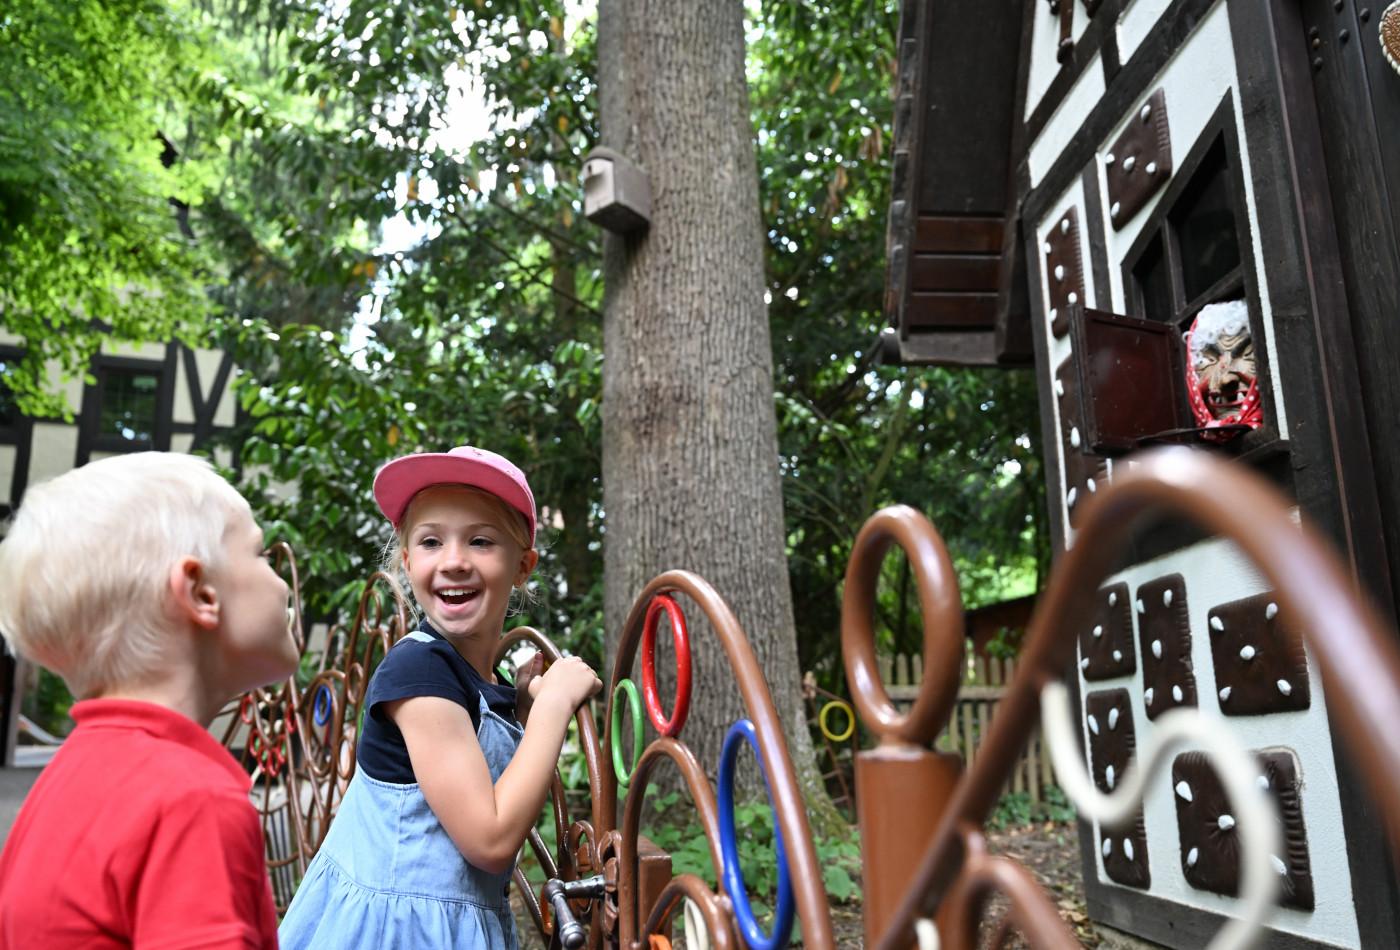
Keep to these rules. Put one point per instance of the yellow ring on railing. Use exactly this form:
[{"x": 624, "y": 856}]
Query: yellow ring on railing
[{"x": 850, "y": 720}]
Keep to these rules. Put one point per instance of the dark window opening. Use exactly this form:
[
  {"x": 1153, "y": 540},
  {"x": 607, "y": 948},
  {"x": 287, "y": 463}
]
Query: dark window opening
[
  {"x": 1154, "y": 283},
  {"x": 129, "y": 401},
  {"x": 1206, "y": 231}
]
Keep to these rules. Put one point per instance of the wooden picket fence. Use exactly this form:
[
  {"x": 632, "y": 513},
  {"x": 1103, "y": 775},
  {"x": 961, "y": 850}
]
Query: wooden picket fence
[{"x": 983, "y": 685}]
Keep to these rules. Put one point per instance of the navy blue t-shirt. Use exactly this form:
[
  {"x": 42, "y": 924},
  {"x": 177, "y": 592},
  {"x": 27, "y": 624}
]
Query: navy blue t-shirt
[{"x": 412, "y": 668}]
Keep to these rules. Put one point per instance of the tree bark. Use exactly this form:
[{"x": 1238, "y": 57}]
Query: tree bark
[{"x": 690, "y": 450}]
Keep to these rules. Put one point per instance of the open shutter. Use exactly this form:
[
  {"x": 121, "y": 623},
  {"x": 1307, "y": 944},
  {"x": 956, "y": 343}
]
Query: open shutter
[{"x": 955, "y": 283}]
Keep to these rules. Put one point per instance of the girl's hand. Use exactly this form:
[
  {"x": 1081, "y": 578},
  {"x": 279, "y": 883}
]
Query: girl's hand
[
  {"x": 526, "y": 686},
  {"x": 568, "y": 682}
]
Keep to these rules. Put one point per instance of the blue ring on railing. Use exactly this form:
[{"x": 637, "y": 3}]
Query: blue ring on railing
[
  {"x": 322, "y": 710},
  {"x": 732, "y": 874}
]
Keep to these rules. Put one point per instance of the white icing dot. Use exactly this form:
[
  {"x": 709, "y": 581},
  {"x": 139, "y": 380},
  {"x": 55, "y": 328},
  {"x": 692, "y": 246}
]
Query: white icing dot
[
  {"x": 1098, "y": 630},
  {"x": 1113, "y": 211},
  {"x": 1157, "y": 649},
  {"x": 1167, "y": 597},
  {"x": 1226, "y": 822},
  {"x": 1064, "y": 226},
  {"x": 1059, "y": 383},
  {"x": 1217, "y": 624},
  {"x": 1059, "y": 272},
  {"x": 1073, "y": 297},
  {"x": 1128, "y": 848},
  {"x": 1224, "y": 693},
  {"x": 1147, "y": 695},
  {"x": 1184, "y": 790},
  {"x": 1072, "y": 497},
  {"x": 1285, "y": 687},
  {"x": 1108, "y": 776},
  {"x": 1117, "y": 656},
  {"x": 1151, "y": 168},
  {"x": 1113, "y": 718},
  {"x": 1084, "y": 663},
  {"x": 1140, "y": 608},
  {"x": 1129, "y": 162},
  {"x": 1092, "y": 486},
  {"x": 1146, "y": 112},
  {"x": 1047, "y": 247},
  {"x": 1176, "y": 693},
  {"x": 1279, "y": 867},
  {"x": 1263, "y": 782},
  {"x": 1054, "y": 313},
  {"x": 1247, "y": 652},
  {"x": 1112, "y": 597},
  {"x": 1074, "y": 436},
  {"x": 1107, "y": 847},
  {"x": 1271, "y": 611},
  {"x": 1109, "y": 159},
  {"x": 1093, "y": 725},
  {"x": 1191, "y": 857}
]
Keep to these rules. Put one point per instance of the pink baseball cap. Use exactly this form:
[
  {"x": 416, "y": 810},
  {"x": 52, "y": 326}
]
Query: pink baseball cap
[{"x": 398, "y": 481}]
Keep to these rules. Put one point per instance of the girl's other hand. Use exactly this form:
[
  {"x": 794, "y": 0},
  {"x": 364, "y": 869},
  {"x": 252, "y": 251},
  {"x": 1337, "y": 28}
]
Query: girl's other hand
[
  {"x": 569, "y": 682},
  {"x": 527, "y": 684}
]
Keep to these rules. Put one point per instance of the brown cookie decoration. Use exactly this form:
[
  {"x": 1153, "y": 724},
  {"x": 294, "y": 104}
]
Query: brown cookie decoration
[
  {"x": 1112, "y": 742},
  {"x": 1260, "y": 666},
  {"x": 1210, "y": 847},
  {"x": 1106, "y": 648},
  {"x": 1390, "y": 34},
  {"x": 1164, "y": 636}
]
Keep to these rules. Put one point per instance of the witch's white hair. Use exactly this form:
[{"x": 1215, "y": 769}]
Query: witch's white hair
[
  {"x": 1229, "y": 318},
  {"x": 85, "y": 566}
]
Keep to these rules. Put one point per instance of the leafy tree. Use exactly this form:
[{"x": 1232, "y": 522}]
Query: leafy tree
[{"x": 89, "y": 246}]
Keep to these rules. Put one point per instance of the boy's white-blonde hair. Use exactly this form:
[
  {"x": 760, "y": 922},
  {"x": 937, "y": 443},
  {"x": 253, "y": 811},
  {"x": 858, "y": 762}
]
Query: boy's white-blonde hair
[{"x": 85, "y": 566}]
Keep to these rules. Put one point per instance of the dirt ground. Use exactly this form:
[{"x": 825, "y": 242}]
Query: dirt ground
[{"x": 1050, "y": 851}]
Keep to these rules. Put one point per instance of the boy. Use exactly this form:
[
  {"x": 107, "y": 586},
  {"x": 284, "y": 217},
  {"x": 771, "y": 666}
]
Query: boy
[{"x": 141, "y": 580}]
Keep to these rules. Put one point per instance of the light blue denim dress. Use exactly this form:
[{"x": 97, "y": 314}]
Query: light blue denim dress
[{"x": 389, "y": 877}]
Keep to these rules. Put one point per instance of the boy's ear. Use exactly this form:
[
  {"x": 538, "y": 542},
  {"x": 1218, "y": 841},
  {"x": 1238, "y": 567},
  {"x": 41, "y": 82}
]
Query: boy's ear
[
  {"x": 528, "y": 560},
  {"x": 192, "y": 596}
]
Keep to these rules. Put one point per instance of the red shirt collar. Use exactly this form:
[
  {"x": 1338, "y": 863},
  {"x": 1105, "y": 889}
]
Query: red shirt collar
[{"x": 160, "y": 722}]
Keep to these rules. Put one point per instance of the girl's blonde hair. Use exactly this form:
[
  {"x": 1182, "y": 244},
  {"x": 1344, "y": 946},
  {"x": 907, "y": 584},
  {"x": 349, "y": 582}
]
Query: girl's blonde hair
[{"x": 506, "y": 517}]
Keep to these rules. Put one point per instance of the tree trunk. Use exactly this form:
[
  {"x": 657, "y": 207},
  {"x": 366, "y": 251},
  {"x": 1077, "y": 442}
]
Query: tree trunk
[{"x": 690, "y": 451}]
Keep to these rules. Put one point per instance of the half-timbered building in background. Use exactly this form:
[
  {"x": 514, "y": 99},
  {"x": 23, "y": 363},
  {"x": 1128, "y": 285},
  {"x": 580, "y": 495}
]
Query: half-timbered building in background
[{"x": 1183, "y": 215}]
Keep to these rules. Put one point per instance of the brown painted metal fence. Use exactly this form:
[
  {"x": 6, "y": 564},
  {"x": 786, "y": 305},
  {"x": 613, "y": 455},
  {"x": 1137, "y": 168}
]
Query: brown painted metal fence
[{"x": 920, "y": 809}]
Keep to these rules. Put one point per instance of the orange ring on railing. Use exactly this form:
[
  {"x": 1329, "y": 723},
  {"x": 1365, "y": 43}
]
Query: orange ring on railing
[{"x": 672, "y": 726}]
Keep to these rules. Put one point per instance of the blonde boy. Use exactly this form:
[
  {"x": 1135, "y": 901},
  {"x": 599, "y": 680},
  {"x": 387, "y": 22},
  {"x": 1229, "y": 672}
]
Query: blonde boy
[{"x": 141, "y": 581}]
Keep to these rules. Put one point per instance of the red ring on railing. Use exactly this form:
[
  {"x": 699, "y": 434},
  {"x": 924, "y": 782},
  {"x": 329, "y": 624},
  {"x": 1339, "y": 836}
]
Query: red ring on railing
[{"x": 672, "y": 726}]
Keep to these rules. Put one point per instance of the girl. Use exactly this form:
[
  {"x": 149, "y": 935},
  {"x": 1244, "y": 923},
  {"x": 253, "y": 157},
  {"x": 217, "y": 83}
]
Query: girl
[{"x": 448, "y": 784}]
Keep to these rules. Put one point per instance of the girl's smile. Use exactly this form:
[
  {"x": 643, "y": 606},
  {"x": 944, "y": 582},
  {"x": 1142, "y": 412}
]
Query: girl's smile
[{"x": 462, "y": 563}]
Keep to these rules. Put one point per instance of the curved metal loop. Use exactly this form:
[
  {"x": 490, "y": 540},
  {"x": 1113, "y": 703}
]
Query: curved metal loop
[
  {"x": 1257, "y": 824},
  {"x": 713, "y": 909},
  {"x": 634, "y": 706},
  {"x": 666, "y": 725},
  {"x": 1358, "y": 661},
  {"x": 732, "y": 872},
  {"x": 789, "y": 811},
  {"x": 941, "y": 606},
  {"x": 844, "y": 734}
]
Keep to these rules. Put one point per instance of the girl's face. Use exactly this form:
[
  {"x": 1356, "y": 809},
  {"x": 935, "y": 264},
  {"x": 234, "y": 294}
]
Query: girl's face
[{"x": 462, "y": 562}]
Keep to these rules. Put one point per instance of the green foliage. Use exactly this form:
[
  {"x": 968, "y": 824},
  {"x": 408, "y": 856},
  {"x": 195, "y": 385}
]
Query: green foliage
[
  {"x": 689, "y": 848},
  {"x": 90, "y": 247},
  {"x": 1015, "y": 809},
  {"x": 47, "y": 705},
  {"x": 389, "y": 282}
]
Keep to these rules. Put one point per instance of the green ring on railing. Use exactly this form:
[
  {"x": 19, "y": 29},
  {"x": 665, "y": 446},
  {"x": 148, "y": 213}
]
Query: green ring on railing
[{"x": 634, "y": 702}]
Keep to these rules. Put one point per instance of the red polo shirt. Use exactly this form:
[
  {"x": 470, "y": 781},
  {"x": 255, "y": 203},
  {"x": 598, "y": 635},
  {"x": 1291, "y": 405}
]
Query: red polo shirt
[{"x": 139, "y": 833}]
